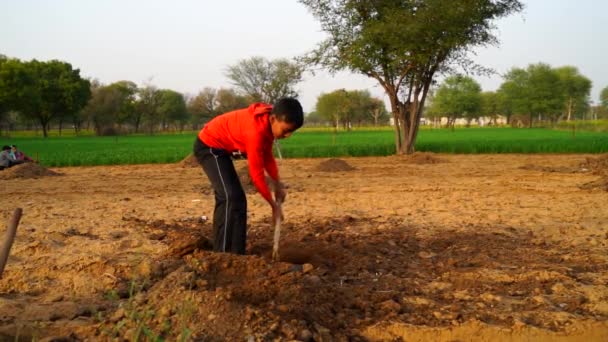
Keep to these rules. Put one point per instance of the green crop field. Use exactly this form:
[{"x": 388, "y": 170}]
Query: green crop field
[{"x": 137, "y": 149}]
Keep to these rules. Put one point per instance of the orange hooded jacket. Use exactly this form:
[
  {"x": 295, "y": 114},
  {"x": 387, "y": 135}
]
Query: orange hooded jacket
[{"x": 248, "y": 131}]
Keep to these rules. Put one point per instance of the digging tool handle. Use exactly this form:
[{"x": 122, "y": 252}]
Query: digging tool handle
[
  {"x": 9, "y": 238},
  {"x": 277, "y": 236}
]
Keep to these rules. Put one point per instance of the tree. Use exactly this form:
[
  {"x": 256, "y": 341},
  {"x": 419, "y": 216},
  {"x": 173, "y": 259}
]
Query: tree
[
  {"x": 43, "y": 91},
  {"x": 576, "y": 89},
  {"x": 264, "y": 80},
  {"x": 172, "y": 109},
  {"x": 103, "y": 108},
  {"x": 489, "y": 105},
  {"x": 403, "y": 45},
  {"x": 127, "y": 113},
  {"x": 60, "y": 92},
  {"x": 227, "y": 100},
  {"x": 535, "y": 92},
  {"x": 459, "y": 97},
  {"x": 333, "y": 107},
  {"x": 604, "y": 98},
  {"x": 546, "y": 98},
  {"x": 378, "y": 111},
  {"x": 514, "y": 93},
  {"x": 348, "y": 107},
  {"x": 148, "y": 100},
  {"x": 202, "y": 107}
]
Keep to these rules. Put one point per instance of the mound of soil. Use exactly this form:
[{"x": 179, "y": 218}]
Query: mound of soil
[
  {"x": 598, "y": 166},
  {"x": 423, "y": 158},
  {"x": 27, "y": 171},
  {"x": 348, "y": 283},
  {"x": 189, "y": 161},
  {"x": 334, "y": 165}
]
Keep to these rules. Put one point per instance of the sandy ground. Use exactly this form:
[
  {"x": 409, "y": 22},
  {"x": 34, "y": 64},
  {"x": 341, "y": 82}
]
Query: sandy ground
[{"x": 472, "y": 248}]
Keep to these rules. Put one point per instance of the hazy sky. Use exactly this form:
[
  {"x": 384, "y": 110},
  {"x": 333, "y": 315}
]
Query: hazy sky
[{"x": 186, "y": 45}]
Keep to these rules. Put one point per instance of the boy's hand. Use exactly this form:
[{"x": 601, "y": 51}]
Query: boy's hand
[
  {"x": 279, "y": 192},
  {"x": 277, "y": 211}
]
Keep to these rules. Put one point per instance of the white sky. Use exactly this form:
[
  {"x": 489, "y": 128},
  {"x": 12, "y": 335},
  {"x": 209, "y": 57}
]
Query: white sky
[{"x": 186, "y": 45}]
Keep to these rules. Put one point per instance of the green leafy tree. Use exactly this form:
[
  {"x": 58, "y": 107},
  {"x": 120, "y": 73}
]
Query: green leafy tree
[
  {"x": 513, "y": 93},
  {"x": 43, "y": 91},
  {"x": 103, "y": 108},
  {"x": 265, "y": 80},
  {"x": 576, "y": 90},
  {"x": 403, "y": 45},
  {"x": 148, "y": 101},
  {"x": 546, "y": 95},
  {"x": 172, "y": 109},
  {"x": 489, "y": 105},
  {"x": 350, "y": 107},
  {"x": 127, "y": 113},
  {"x": 459, "y": 97},
  {"x": 333, "y": 107},
  {"x": 535, "y": 92}
]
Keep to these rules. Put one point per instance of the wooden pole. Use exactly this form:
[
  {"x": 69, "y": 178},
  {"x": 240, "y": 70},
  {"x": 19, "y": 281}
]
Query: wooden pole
[{"x": 9, "y": 237}]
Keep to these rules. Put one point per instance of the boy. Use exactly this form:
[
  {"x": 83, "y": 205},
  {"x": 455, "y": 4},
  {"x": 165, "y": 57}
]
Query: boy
[
  {"x": 18, "y": 155},
  {"x": 249, "y": 132}
]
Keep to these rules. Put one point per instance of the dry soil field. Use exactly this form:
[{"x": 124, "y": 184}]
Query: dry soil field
[{"x": 430, "y": 248}]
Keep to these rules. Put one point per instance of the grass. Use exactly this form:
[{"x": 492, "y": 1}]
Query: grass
[{"x": 170, "y": 148}]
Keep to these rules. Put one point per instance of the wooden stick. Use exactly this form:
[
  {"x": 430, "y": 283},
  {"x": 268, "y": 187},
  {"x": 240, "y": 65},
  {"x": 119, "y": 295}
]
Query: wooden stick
[
  {"x": 9, "y": 237},
  {"x": 277, "y": 237}
]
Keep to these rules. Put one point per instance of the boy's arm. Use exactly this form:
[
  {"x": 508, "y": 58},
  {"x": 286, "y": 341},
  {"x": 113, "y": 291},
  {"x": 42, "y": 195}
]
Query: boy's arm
[
  {"x": 256, "y": 155},
  {"x": 273, "y": 171},
  {"x": 270, "y": 164}
]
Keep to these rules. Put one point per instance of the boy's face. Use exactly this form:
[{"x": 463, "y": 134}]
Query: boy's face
[{"x": 280, "y": 129}]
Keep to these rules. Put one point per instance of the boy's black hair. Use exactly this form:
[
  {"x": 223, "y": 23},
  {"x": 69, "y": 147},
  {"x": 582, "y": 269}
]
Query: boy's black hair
[
  {"x": 6, "y": 147},
  {"x": 289, "y": 109}
]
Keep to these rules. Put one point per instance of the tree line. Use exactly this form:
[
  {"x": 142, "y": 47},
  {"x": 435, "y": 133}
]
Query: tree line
[
  {"x": 42, "y": 93},
  {"x": 348, "y": 108},
  {"x": 538, "y": 93}
]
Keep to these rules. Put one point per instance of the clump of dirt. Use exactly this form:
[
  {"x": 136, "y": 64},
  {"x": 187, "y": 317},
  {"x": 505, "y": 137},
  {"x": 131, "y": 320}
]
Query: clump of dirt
[
  {"x": 27, "y": 171},
  {"x": 423, "y": 158},
  {"x": 334, "y": 165},
  {"x": 598, "y": 166},
  {"x": 189, "y": 161}
]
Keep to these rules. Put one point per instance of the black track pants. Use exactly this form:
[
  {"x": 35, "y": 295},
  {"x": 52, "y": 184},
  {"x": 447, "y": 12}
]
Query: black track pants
[{"x": 230, "y": 214}]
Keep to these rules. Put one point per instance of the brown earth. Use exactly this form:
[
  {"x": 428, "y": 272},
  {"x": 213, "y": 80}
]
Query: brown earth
[{"x": 473, "y": 249}]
